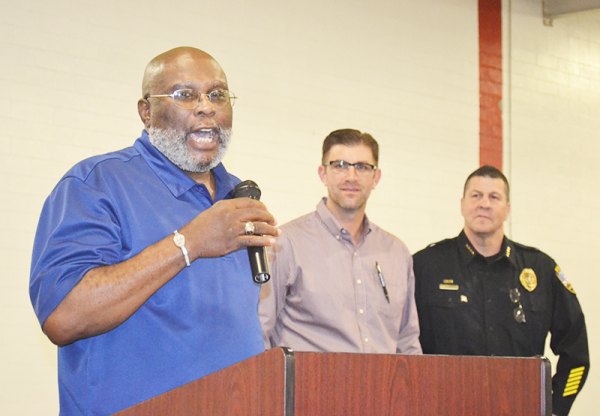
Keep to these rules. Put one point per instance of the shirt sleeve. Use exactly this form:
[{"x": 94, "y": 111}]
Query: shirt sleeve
[
  {"x": 569, "y": 342},
  {"x": 77, "y": 231},
  {"x": 408, "y": 339},
  {"x": 273, "y": 293},
  {"x": 422, "y": 262}
]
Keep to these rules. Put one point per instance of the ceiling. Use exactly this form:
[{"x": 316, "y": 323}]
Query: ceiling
[{"x": 554, "y": 8}]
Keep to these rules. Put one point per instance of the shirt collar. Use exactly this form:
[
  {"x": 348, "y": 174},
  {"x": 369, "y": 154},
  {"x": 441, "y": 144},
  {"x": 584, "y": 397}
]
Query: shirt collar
[
  {"x": 175, "y": 179},
  {"x": 468, "y": 253},
  {"x": 333, "y": 226}
]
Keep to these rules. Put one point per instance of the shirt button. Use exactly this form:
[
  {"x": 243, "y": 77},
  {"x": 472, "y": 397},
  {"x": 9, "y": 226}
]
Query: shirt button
[
  {"x": 337, "y": 237},
  {"x": 355, "y": 254},
  {"x": 361, "y": 311},
  {"x": 489, "y": 301},
  {"x": 359, "y": 281},
  {"x": 366, "y": 339}
]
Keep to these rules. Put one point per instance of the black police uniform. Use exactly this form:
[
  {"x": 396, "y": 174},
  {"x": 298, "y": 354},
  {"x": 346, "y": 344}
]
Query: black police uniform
[{"x": 504, "y": 305}]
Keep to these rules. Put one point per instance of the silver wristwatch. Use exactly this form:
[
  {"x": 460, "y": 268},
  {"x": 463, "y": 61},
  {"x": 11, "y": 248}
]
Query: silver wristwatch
[{"x": 179, "y": 241}]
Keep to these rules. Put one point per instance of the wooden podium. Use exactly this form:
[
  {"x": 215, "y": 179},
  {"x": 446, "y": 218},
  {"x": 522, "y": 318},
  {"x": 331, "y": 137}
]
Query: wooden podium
[{"x": 281, "y": 382}]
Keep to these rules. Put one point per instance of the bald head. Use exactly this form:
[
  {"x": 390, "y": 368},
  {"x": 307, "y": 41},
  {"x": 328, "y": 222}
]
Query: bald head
[{"x": 174, "y": 61}]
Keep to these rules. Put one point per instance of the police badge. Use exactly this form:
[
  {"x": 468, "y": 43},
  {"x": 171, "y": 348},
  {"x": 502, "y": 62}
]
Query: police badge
[{"x": 528, "y": 279}]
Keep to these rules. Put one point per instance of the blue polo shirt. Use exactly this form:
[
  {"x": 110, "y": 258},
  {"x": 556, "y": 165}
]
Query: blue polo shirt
[{"x": 105, "y": 210}]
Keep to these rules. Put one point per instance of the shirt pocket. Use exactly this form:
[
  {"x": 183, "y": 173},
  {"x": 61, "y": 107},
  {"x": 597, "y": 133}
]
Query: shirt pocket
[
  {"x": 445, "y": 299},
  {"x": 397, "y": 299},
  {"x": 448, "y": 320},
  {"x": 538, "y": 315}
]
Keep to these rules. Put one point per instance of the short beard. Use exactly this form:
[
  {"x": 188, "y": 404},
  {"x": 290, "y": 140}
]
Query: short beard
[{"x": 173, "y": 144}]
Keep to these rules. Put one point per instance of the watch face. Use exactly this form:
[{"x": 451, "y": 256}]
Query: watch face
[{"x": 179, "y": 240}]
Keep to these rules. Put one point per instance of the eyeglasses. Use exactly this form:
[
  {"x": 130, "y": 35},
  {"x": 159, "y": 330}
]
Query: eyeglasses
[
  {"x": 361, "y": 168},
  {"x": 188, "y": 98},
  {"x": 518, "y": 312}
]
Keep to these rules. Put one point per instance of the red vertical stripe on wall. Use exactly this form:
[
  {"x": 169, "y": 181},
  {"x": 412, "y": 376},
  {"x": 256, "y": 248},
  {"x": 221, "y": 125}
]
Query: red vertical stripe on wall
[{"x": 490, "y": 82}]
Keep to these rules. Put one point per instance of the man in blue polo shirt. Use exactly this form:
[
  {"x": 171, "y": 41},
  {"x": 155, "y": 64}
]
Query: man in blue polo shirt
[{"x": 139, "y": 271}]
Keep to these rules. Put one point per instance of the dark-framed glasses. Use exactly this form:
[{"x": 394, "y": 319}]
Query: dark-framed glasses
[
  {"x": 518, "y": 312},
  {"x": 189, "y": 98},
  {"x": 343, "y": 166}
]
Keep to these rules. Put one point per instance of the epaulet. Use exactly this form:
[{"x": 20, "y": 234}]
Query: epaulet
[
  {"x": 533, "y": 251},
  {"x": 435, "y": 249},
  {"x": 525, "y": 248},
  {"x": 441, "y": 242}
]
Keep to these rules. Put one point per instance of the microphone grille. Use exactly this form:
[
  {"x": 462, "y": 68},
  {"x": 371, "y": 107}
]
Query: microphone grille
[{"x": 246, "y": 189}]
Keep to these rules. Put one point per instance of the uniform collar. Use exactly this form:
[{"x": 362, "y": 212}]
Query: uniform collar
[
  {"x": 333, "y": 226},
  {"x": 175, "y": 179},
  {"x": 468, "y": 253}
]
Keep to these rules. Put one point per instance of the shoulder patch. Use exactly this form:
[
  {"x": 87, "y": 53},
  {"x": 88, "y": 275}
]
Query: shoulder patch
[{"x": 563, "y": 279}]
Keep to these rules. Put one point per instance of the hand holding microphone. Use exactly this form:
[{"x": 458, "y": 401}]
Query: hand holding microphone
[
  {"x": 231, "y": 224},
  {"x": 258, "y": 259}
]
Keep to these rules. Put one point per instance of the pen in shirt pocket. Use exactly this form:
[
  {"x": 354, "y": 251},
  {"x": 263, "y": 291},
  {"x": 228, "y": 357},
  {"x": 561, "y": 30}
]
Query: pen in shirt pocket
[{"x": 382, "y": 281}]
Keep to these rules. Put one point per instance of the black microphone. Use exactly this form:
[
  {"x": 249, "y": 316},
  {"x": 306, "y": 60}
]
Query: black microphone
[{"x": 257, "y": 256}]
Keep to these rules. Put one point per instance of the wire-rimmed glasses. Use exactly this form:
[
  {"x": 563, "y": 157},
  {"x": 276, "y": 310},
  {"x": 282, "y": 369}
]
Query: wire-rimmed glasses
[{"x": 189, "y": 98}]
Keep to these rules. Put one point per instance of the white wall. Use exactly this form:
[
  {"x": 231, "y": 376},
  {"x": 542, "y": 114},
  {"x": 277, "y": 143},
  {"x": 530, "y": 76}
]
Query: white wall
[
  {"x": 553, "y": 160},
  {"x": 405, "y": 71}
]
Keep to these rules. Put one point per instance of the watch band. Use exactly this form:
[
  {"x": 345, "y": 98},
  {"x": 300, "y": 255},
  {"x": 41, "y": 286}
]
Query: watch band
[{"x": 179, "y": 241}]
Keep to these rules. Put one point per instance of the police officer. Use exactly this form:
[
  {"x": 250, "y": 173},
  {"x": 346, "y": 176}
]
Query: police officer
[{"x": 483, "y": 294}]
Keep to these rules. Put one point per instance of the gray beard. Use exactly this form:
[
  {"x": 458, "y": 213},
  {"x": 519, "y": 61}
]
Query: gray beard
[{"x": 172, "y": 144}]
